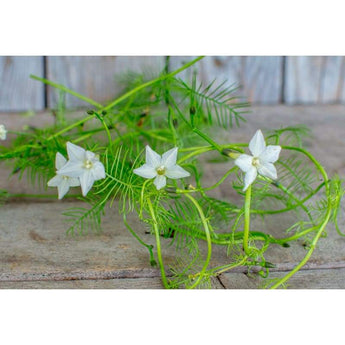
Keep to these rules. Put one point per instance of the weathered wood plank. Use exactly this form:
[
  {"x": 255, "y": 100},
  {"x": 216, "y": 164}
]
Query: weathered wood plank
[
  {"x": 17, "y": 91},
  {"x": 314, "y": 79},
  {"x": 133, "y": 283},
  {"x": 260, "y": 77},
  {"x": 95, "y": 76},
  {"x": 119, "y": 283},
  {"x": 304, "y": 279}
]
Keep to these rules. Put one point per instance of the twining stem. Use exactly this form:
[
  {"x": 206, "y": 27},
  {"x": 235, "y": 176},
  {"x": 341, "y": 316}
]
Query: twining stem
[
  {"x": 322, "y": 225},
  {"x": 158, "y": 243},
  {"x": 247, "y": 220},
  {"x": 148, "y": 246},
  {"x": 66, "y": 89},
  {"x": 208, "y": 238},
  {"x": 100, "y": 118},
  {"x": 151, "y": 82}
]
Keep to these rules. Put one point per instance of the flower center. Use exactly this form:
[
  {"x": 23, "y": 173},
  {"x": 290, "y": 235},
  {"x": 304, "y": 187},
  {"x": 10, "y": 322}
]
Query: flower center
[
  {"x": 256, "y": 161},
  {"x": 88, "y": 164},
  {"x": 65, "y": 177},
  {"x": 161, "y": 170}
]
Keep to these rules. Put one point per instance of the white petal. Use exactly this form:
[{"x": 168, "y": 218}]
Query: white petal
[
  {"x": 98, "y": 171},
  {"x": 152, "y": 157},
  {"x": 268, "y": 170},
  {"x": 75, "y": 152},
  {"x": 63, "y": 188},
  {"x": 257, "y": 144},
  {"x": 146, "y": 171},
  {"x": 55, "y": 181},
  {"x": 160, "y": 181},
  {"x": 72, "y": 169},
  {"x": 176, "y": 172},
  {"x": 86, "y": 182},
  {"x": 73, "y": 182},
  {"x": 60, "y": 160},
  {"x": 244, "y": 162},
  {"x": 249, "y": 177},
  {"x": 169, "y": 158},
  {"x": 90, "y": 156},
  {"x": 270, "y": 154}
]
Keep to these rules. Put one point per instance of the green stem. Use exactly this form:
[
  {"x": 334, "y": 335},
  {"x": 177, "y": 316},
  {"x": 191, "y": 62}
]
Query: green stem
[
  {"x": 149, "y": 83},
  {"x": 247, "y": 220},
  {"x": 322, "y": 225},
  {"x": 100, "y": 118},
  {"x": 65, "y": 89},
  {"x": 148, "y": 246},
  {"x": 158, "y": 243},
  {"x": 208, "y": 238}
]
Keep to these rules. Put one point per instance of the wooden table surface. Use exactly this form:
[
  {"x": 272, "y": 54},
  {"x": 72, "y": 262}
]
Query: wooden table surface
[{"x": 35, "y": 251}]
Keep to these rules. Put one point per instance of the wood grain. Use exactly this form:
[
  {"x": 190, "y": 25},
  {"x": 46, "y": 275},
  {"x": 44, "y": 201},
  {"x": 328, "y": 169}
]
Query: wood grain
[
  {"x": 304, "y": 279},
  {"x": 96, "y": 77},
  {"x": 314, "y": 79},
  {"x": 260, "y": 77},
  {"x": 17, "y": 91}
]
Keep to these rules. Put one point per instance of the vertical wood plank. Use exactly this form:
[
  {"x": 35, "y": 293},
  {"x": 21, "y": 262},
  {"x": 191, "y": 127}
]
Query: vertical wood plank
[
  {"x": 95, "y": 76},
  {"x": 315, "y": 79},
  {"x": 260, "y": 77},
  {"x": 18, "y": 92}
]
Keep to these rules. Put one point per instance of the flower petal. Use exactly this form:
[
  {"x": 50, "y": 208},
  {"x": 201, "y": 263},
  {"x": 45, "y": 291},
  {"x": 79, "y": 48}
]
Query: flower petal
[
  {"x": 249, "y": 177},
  {"x": 244, "y": 162},
  {"x": 90, "y": 156},
  {"x": 146, "y": 171},
  {"x": 86, "y": 182},
  {"x": 268, "y": 170},
  {"x": 257, "y": 144},
  {"x": 270, "y": 154},
  {"x": 160, "y": 181},
  {"x": 73, "y": 182},
  {"x": 169, "y": 158},
  {"x": 55, "y": 181},
  {"x": 176, "y": 172},
  {"x": 60, "y": 160},
  {"x": 152, "y": 158},
  {"x": 98, "y": 171},
  {"x": 63, "y": 188},
  {"x": 72, "y": 169},
  {"x": 75, "y": 152}
]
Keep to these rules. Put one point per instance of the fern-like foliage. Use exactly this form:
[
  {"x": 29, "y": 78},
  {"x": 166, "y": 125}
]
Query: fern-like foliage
[{"x": 212, "y": 104}]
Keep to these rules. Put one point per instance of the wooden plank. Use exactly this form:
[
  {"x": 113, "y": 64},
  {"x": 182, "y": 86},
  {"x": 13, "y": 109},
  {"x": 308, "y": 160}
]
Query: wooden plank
[
  {"x": 314, "y": 79},
  {"x": 96, "y": 76},
  {"x": 304, "y": 279},
  {"x": 260, "y": 77},
  {"x": 124, "y": 283},
  {"x": 17, "y": 91},
  {"x": 133, "y": 283}
]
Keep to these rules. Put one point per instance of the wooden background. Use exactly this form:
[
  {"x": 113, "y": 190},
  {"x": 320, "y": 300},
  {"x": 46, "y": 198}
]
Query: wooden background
[{"x": 264, "y": 79}]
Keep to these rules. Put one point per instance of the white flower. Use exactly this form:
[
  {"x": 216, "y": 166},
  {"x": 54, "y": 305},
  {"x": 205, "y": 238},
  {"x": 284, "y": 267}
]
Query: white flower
[
  {"x": 3, "y": 132},
  {"x": 261, "y": 162},
  {"x": 161, "y": 167},
  {"x": 84, "y": 165},
  {"x": 60, "y": 181}
]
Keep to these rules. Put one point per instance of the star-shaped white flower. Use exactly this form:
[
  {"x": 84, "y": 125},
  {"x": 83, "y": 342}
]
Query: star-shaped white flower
[
  {"x": 84, "y": 165},
  {"x": 161, "y": 167},
  {"x": 3, "y": 132},
  {"x": 261, "y": 161},
  {"x": 63, "y": 183}
]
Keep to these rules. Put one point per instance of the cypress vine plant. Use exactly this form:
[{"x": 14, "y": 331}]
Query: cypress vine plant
[{"x": 144, "y": 153}]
